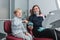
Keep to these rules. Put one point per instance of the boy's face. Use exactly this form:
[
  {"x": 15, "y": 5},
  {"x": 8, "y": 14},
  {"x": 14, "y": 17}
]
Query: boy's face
[{"x": 19, "y": 13}]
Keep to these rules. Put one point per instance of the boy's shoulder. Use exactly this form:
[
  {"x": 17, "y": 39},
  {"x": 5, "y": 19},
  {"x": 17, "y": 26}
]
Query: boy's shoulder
[{"x": 15, "y": 17}]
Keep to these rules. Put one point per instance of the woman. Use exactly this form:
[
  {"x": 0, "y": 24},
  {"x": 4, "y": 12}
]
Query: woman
[{"x": 36, "y": 18}]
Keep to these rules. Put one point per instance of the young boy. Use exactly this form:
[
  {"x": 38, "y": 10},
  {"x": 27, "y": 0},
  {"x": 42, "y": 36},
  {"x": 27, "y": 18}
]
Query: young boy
[{"x": 18, "y": 29}]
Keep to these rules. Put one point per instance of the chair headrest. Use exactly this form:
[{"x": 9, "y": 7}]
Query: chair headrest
[{"x": 7, "y": 26}]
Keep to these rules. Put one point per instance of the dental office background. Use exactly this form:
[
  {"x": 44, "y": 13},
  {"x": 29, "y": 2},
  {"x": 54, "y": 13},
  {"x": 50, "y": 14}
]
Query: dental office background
[{"x": 8, "y": 6}]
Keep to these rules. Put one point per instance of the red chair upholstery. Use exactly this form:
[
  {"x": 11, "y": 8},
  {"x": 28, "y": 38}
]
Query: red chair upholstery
[
  {"x": 43, "y": 39},
  {"x": 7, "y": 29}
]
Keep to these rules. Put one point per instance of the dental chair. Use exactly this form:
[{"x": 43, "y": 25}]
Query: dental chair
[
  {"x": 52, "y": 18},
  {"x": 7, "y": 29}
]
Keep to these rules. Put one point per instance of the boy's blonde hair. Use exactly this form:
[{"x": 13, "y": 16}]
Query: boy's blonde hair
[{"x": 16, "y": 10}]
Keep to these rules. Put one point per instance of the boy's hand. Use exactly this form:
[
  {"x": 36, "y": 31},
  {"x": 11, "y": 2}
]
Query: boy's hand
[
  {"x": 27, "y": 33},
  {"x": 30, "y": 27},
  {"x": 25, "y": 21}
]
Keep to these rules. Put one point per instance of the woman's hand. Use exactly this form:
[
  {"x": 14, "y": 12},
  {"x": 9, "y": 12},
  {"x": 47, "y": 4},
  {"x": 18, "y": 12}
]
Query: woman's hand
[
  {"x": 42, "y": 16},
  {"x": 30, "y": 28}
]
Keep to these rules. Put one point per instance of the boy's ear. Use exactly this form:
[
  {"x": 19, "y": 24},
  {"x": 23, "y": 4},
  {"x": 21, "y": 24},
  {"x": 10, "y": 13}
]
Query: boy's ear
[{"x": 14, "y": 14}]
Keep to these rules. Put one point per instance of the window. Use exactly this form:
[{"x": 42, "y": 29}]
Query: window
[{"x": 4, "y": 9}]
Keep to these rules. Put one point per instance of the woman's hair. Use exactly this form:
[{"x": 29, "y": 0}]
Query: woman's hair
[
  {"x": 16, "y": 10},
  {"x": 30, "y": 11},
  {"x": 33, "y": 9}
]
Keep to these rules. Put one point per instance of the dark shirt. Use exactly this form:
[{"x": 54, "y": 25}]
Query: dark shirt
[{"x": 37, "y": 21}]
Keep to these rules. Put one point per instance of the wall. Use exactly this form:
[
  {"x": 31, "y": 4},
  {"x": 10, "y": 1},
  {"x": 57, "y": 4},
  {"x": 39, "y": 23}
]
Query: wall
[
  {"x": 22, "y": 4},
  {"x": 1, "y": 27},
  {"x": 4, "y": 9},
  {"x": 4, "y": 13}
]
